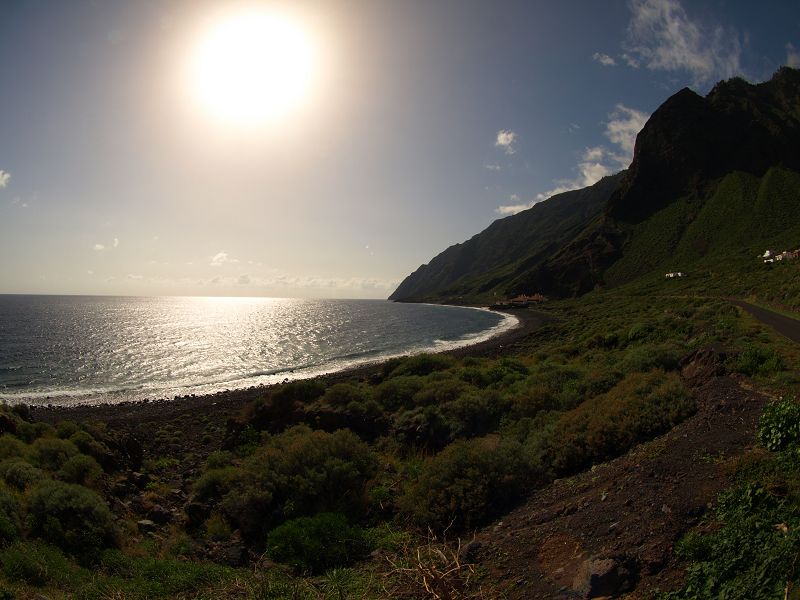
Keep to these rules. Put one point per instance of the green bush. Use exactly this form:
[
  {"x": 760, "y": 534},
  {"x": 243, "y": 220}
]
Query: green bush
[
  {"x": 422, "y": 427},
  {"x": 71, "y": 517},
  {"x": 34, "y": 563},
  {"x": 11, "y": 447},
  {"x": 342, "y": 394},
  {"x": 437, "y": 392},
  {"x": 303, "y": 391},
  {"x": 316, "y": 544},
  {"x": 638, "y": 408},
  {"x": 10, "y": 521},
  {"x": 65, "y": 429},
  {"x": 640, "y": 359},
  {"x": 81, "y": 469},
  {"x": 52, "y": 453},
  {"x": 749, "y": 557},
  {"x": 422, "y": 364},
  {"x": 87, "y": 444},
  {"x": 474, "y": 414},
  {"x": 215, "y": 483},
  {"x": 219, "y": 459},
  {"x": 299, "y": 473},
  {"x": 779, "y": 424},
  {"x": 467, "y": 483},
  {"x": 19, "y": 473},
  {"x": 398, "y": 392},
  {"x": 28, "y": 432},
  {"x": 756, "y": 360}
]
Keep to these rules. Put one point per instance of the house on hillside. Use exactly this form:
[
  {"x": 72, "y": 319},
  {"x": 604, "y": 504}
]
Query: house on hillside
[
  {"x": 674, "y": 274},
  {"x": 521, "y": 301}
]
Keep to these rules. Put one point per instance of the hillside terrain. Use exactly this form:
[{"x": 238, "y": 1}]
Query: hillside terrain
[
  {"x": 640, "y": 440},
  {"x": 713, "y": 179}
]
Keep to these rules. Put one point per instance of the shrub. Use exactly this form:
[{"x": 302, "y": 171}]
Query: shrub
[
  {"x": 474, "y": 414},
  {"x": 640, "y": 359},
  {"x": 398, "y": 392},
  {"x": 422, "y": 364},
  {"x": 467, "y": 483},
  {"x": 315, "y": 544},
  {"x": 86, "y": 443},
  {"x": 28, "y": 432},
  {"x": 10, "y": 521},
  {"x": 751, "y": 557},
  {"x": 218, "y": 528},
  {"x": 779, "y": 424},
  {"x": 298, "y": 473},
  {"x": 506, "y": 371},
  {"x": 19, "y": 473},
  {"x": 36, "y": 564},
  {"x": 11, "y": 447},
  {"x": 342, "y": 394},
  {"x": 219, "y": 459},
  {"x": 71, "y": 517},
  {"x": 303, "y": 391},
  {"x": 81, "y": 469},
  {"x": 638, "y": 408},
  {"x": 52, "y": 453},
  {"x": 755, "y": 360},
  {"x": 424, "y": 426},
  {"x": 65, "y": 429},
  {"x": 215, "y": 483},
  {"x": 438, "y": 392}
]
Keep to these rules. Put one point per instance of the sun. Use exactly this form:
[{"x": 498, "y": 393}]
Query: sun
[{"x": 252, "y": 67}]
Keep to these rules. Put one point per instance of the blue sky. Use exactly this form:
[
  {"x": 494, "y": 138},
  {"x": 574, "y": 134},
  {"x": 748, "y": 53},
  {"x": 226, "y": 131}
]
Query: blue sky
[{"x": 426, "y": 121}]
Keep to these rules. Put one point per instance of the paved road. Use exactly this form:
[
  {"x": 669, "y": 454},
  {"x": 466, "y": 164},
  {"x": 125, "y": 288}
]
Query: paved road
[{"x": 786, "y": 326}]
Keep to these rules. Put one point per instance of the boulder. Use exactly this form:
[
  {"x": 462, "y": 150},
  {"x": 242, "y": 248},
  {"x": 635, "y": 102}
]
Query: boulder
[{"x": 599, "y": 577}]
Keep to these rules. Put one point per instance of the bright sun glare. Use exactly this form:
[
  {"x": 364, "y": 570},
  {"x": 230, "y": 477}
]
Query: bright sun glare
[{"x": 252, "y": 67}]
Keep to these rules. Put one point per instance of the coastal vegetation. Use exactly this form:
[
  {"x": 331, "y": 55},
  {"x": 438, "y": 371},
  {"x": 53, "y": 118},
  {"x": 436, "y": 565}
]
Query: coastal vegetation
[
  {"x": 325, "y": 485},
  {"x": 365, "y": 485}
]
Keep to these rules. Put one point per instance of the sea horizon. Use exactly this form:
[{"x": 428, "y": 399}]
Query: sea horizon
[{"x": 85, "y": 349}]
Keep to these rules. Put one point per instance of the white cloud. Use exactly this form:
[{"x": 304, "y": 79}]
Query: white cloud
[
  {"x": 99, "y": 247},
  {"x": 632, "y": 62},
  {"x": 604, "y": 59},
  {"x": 492, "y": 167},
  {"x": 243, "y": 280},
  {"x": 662, "y": 37},
  {"x": 219, "y": 259},
  {"x": 133, "y": 277},
  {"x": 792, "y": 56},
  {"x": 90, "y": 272},
  {"x": 5, "y": 177},
  {"x": 116, "y": 243},
  {"x": 622, "y": 128},
  {"x": 596, "y": 162},
  {"x": 506, "y": 140}
]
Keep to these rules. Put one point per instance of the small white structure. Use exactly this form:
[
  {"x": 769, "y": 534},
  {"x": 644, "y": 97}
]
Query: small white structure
[
  {"x": 768, "y": 254},
  {"x": 674, "y": 274}
]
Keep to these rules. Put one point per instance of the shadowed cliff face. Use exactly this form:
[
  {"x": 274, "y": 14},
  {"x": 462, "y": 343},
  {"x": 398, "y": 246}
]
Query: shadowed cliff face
[
  {"x": 687, "y": 146},
  {"x": 508, "y": 248},
  {"x": 690, "y": 141}
]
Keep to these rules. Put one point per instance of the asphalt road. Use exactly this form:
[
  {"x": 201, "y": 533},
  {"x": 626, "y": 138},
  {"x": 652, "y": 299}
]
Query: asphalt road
[{"x": 784, "y": 325}]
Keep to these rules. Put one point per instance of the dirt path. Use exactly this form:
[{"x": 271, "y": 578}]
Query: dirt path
[
  {"x": 611, "y": 530},
  {"x": 786, "y": 326}
]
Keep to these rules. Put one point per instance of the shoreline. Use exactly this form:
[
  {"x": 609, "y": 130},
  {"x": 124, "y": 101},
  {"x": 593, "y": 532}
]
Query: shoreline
[{"x": 231, "y": 401}]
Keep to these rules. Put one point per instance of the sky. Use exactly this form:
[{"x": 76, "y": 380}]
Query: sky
[{"x": 417, "y": 123}]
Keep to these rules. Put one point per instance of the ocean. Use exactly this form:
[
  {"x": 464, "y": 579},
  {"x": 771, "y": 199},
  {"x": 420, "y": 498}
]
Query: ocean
[{"x": 67, "y": 350}]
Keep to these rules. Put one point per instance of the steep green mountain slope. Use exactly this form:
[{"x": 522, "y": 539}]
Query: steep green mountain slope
[
  {"x": 713, "y": 178},
  {"x": 507, "y": 247}
]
